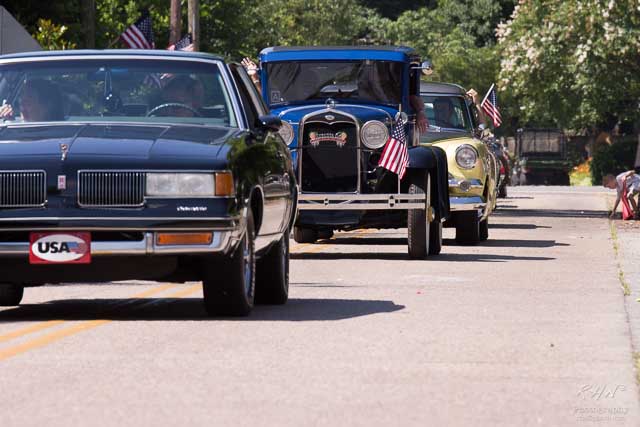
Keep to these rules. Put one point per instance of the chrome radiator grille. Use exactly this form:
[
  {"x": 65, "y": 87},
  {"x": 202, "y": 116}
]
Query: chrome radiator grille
[
  {"x": 20, "y": 189},
  {"x": 111, "y": 188}
]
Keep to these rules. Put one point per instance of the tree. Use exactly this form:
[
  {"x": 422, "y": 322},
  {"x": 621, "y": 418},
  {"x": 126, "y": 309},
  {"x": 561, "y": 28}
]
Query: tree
[{"x": 573, "y": 63}]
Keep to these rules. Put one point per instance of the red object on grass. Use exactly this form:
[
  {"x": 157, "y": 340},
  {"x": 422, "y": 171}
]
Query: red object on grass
[{"x": 627, "y": 212}]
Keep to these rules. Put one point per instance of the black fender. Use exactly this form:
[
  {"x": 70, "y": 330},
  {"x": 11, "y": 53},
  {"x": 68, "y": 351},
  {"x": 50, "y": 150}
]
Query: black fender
[{"x": 434, "y": 160}]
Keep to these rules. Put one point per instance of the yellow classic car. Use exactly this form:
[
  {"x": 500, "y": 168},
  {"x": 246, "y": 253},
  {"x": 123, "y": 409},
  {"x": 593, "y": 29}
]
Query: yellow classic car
[{"x": 473, "y": 170}]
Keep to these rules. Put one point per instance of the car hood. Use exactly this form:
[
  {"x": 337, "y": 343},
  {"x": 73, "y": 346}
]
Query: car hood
[{"x": 114, "y": 146}]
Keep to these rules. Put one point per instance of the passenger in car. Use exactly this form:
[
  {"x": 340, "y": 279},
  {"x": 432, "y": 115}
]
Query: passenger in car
[{"x": 40, "y": 101}]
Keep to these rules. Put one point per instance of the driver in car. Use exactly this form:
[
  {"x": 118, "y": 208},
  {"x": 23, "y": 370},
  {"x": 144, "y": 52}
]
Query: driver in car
[
  {"x": 183, "y": 96},
  {"x": 445, "y": 115}
]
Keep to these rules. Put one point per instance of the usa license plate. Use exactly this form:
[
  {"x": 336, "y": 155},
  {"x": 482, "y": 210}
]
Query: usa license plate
[{"x": 60, "y": 248}]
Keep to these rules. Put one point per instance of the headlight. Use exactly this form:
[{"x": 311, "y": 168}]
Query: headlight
[
  {"x": 466, "y": 156},
  {"x": 180, "y": 184},
  {"x": 286, "y": 132},
  {"x": 374, "y": 134}
]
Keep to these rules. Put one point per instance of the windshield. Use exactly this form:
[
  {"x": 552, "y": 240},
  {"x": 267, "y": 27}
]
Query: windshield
[
  {"x": 139, "y": 90},
  {"x": 447, "y": 111},
  {"x": 368, "y": 81}
]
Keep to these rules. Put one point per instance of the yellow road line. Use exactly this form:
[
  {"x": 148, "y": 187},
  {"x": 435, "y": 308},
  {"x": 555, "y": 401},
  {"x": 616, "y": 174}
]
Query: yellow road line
[
  {"x": 52, "y": 323},
  {"x": 63, "y": 333}
]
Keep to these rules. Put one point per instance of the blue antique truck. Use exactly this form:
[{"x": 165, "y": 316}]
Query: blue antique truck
[{"x": 338, "y": 106}]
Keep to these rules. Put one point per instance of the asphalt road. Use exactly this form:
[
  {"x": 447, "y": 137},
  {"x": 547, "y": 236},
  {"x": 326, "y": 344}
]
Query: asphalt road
[{"x": 528, "y": 328}]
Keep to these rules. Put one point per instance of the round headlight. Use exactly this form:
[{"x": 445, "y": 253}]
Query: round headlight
[
  {"x": 374, "y": 134},
  {"x": 286, "y": 132},
  {"x": 466, "y": 157}
]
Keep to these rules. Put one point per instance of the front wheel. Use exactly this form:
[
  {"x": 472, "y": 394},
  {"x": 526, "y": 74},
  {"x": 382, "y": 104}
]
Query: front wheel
[
  {"x": 229, "y": 283},
  {"x": 467, "y": 228},
  {"x": 272, "y": 274},
  {"x": 304, "y": 235},
  {"x": 10, "y": 294},
  {"x": 424, "y": 235},
  {"x": 484, "y": 229}
]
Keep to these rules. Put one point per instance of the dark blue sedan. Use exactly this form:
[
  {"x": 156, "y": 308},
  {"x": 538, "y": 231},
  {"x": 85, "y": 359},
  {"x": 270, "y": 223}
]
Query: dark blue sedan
[{"x": 148, "y": 165}]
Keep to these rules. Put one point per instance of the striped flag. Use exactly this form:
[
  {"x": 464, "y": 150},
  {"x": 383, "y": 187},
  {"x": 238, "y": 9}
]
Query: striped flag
[
  {"x": 490, "y": 106},
  {"x": 184, "y": 44},
  {"x": 395, "y": 156},
  {"x": 140, "y": 34}
]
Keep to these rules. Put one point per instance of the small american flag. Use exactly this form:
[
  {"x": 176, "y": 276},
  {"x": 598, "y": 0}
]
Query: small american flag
[
  {"x": 185, "y": 44},
  {"x": 490, "y": 106},
  {"x": 395, "y": 156},
  {"x": 140, "y": 34}
]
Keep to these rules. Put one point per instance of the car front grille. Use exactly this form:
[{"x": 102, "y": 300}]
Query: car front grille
[
  {"x": 20, "y": 189},
  {"x": 329, "y": 158},
  {"x": 111, "y": 188}
]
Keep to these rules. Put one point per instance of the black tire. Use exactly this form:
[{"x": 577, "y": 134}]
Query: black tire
[
  {"x": 484, "y": 229},
  {"x": 435, "y": 234},
  {"x": 424, "y": 238},
  {"x": 325, "y": 234},
  {"x": 10, "y": 294},
  {"x": 467, "y": 228},
  {"x": 272, "y": 274},
  {"x": 304, "y": 235},
  {"x": 229, "y": 282},
  {"x": 502, "y": 193}
]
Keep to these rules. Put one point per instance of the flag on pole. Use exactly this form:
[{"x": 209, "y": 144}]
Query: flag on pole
[
  {"x": 184, "y": 44},
  {"x": 395, "y": 156},
  {"x": 140, "y": 34},
  {"x": 490, "y": 106}
]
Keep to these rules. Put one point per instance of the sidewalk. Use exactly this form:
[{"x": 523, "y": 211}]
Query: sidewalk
[{"x": 628, "y": 241}]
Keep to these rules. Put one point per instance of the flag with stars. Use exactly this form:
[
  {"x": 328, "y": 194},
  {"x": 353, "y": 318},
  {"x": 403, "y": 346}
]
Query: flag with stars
[
  {"x": 140, "y": 34},
  {"x": 490, "y": 106},
  {"x": 395, "y": 156},
  {"x": 184, "y": 44}
]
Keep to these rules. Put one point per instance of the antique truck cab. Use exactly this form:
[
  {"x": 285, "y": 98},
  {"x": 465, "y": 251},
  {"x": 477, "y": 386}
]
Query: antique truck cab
[{"x": 338, "y": 106}]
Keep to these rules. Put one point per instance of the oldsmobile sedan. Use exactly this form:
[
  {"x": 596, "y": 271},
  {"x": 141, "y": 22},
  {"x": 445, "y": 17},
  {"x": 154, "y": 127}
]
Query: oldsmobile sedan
[
  {"x": 473, "y": 169},
  {"x": 149, "y": 165}
]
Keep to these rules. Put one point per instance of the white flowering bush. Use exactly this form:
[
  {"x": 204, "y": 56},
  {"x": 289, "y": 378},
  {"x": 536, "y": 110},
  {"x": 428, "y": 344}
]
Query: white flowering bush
[{"x": 572, "y": 63}]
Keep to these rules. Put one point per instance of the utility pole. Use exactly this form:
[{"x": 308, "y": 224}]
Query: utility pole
[
  {"x": 89, "y": 23},
  {"x": 194, "y": 22},
  {"x": 175, "y": 22}
]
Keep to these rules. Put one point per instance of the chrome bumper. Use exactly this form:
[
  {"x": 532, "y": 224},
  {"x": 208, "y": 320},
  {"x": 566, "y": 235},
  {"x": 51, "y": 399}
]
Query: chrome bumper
[
  {"x": 361, "y": 201},
  {"x": 221, "y": 242},
  {"x": 471, "y": 203}
]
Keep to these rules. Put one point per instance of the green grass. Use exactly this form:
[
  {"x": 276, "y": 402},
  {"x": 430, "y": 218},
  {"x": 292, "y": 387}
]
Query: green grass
[{"x": 626, "y": 289}]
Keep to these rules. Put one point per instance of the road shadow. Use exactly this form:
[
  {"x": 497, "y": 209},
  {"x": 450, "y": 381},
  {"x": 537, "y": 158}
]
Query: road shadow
[
  {"x": 366, "y": 241},
  {"x": 396, "y": 256},
  {"x": 518, "y": 226},
  {"x": 516, "y": 243},
  {"x": 552, "y": 213},
  {"x": 167, "y": 309},
  {"x": 385, "y": 256}
]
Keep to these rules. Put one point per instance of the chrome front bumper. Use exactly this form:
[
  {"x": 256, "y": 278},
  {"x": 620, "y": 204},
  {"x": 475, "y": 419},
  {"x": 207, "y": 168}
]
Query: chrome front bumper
[
  {"x": 465, "y": 203},
  {"x": 222, "y": 241},
  {"x": 471, "y": 203},
  {"x": 335, "y": 201}
]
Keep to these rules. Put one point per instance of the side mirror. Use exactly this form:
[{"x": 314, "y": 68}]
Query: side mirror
[
  {"x": 269, "y": 122},
  {"x": 426, "y": 67}
]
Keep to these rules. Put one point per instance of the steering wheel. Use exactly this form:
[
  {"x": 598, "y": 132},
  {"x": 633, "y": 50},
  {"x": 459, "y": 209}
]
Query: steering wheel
[{"x": 195, "y": 112}]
